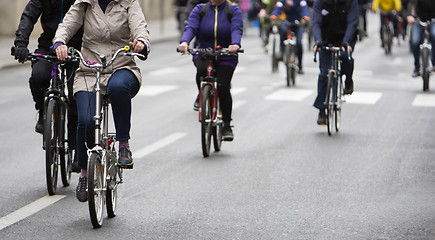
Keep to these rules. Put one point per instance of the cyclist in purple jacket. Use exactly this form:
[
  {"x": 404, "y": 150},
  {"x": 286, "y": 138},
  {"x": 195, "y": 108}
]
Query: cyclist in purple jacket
[{"x": 216, "y": 28}]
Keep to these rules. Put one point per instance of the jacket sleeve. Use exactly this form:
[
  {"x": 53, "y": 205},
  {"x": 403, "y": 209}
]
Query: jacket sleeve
[
  {"x": 278, "y": 8},
  {"x": 31, "y": 13},
  {"x": 317, "y": 22},
  {"x": 236, "y": 26},
  {"x": 137, "y": 23},
  {"x": 375, "y": 5},
  {"x": 398, "y": 5},
  {"x": 352, "y": 22},
  {"x": 72, "y": 22},
  {"x": 304, "y": 9},
  {"x": 192, "y": 26}
]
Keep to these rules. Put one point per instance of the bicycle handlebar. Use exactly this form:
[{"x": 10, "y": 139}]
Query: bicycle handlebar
[
  {"x": 332, "y": 49},
  {"x": 104, "y": 64},
  {"x": 212, "y": 52},
  {"x": 49, "y": 57}
]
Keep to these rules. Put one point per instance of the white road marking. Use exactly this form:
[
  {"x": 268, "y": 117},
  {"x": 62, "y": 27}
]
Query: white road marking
[
  {"x": 28, "y": 210},
  {"x": 424, "y": 100},
  {"x": 235, "y": 91},
  {"x": 289, "y": 94},
  {"x": 155, "y": 90},
  {"x": 164, "y": 71},
  {"x": 363, "y": 97},
  {"x": 157, "y": 145},
  {"x": 237, "y": 104}
]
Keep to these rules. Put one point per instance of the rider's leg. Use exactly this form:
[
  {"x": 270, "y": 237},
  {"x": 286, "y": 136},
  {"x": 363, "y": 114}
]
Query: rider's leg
[
  {"x": 322, "y": 82},
  {"x": 432, "y": 37},
  {"x": 417, "y": 32},
  {"x": 283, "y": 29},
  {"x": 347, "y": 66},
  {"x": 224, "y": 74},
  {"x": 299, "y": 35}
]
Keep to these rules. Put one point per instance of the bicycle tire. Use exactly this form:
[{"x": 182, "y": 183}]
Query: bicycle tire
[
  {"x": 425, "y": 67},
  {"x": 51, "y": 140},
  {"x": 217, "y": 130},
  {"x": 274, "y": 54},
  {"x": 112, "y": 184},
  {"x": 330, "y": 103},
  {"x": 288, "y": 65},
  {"x": 338, "y": 104},
  {"x": 66, "y": 154},
  {"x": 206, "y": 123},
  {"x": 95, "y": 189},
  {"x": 294, "y": 65}
]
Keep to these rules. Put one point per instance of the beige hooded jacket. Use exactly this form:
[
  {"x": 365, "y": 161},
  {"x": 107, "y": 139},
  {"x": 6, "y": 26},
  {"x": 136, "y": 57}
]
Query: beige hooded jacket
[{"x": 104, "y": 33}]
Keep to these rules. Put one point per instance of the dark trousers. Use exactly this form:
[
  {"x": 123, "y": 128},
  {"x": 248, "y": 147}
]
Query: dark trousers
[
  {"x": 325, "y": 61},
  {"x": 39, "y": 81},
  {"x": 224, "y": 74},
  {"x": 122, "y": 87},
  {"x": 417, "y": 38}
]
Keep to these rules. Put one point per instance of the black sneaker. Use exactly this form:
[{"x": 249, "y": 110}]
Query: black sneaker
[
  {"x": 196, "y": 103},
  {"x": 321, "y": 119},
  {"x": 125, "y": 159},
  {"x": 300, "y": 71},
  {"x": 416, "y": 73},
  {"x": 348, "y": 86},
  {"x": 39, "y": 127},
  {"x": 82, "y": 189},
  {"x": 227, "y": 132},
  {"x": 75, "y": 164}
]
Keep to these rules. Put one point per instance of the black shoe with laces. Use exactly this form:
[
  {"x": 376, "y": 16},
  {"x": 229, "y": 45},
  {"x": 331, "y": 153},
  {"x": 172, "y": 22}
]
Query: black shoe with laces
[
  {"x": 82, "y": 189},
  {"x": 125, "y": 159},
  {"x": 321, "y": 119},
  {"x": 227, "y": 132},
  {"x": 39, "y": 127},
  {"x": 196, "y": 103},
  {"x": 348, "y": 86},
  {"x": 75, "y": 164}
]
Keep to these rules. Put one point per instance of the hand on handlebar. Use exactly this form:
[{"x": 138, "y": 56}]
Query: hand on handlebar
[
  {"x": 410, "y": 19},
  {"x": 21, "y": 54},
  {"x": 62, "y": 52},
  {"x": 183, "y": 47},
  {"x": 137, "y": 45},
  {"x": 233, "y": 48}
]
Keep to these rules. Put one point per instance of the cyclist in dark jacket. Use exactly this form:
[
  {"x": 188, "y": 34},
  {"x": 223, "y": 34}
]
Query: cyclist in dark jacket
[
  {"x": 334, "y": 22},
  {"x": 50, "y": 13},
  {"x": 425, "y": 10}
]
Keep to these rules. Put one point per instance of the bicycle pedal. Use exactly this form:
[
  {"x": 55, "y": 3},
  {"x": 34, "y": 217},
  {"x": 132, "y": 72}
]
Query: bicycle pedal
[{"x": 124, "y": 166}]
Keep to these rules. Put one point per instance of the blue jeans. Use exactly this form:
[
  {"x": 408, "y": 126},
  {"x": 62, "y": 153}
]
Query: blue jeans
[
  {"x": 299, "y": 33},
  {"x": 325, "y": 60},
  {"x": 122, "y": 87},
  {"x": 417, "y": 38}
]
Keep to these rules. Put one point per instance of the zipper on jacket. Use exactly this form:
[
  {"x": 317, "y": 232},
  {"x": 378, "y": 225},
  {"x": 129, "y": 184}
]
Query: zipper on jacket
[{"x": 215, "y": 27}]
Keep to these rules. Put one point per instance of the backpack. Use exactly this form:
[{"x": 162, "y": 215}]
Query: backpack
[{"x": 227, "y": 9}]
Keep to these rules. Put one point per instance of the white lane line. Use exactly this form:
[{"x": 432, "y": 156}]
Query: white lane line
[
  {"x": 424, "y": 100},
  {"x": 157, "y": 145},
  {"x": 363, "y": 97},
  {"x": 237, "y": 104},
  {"x": 289, "y": 94},
  {"x": 154, "y": 90},
  {"x": 28, "y": 210},
  {"x": 164, "y": 71}
]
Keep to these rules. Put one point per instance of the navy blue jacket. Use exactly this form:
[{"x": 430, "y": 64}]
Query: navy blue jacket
[{"x": 296, "y": 11}]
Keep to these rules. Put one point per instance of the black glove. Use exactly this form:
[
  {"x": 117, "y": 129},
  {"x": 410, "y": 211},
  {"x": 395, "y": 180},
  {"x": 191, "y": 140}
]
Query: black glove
[
  {"x": 21, "y": 53},
  {"x": 144, "y": 52}
]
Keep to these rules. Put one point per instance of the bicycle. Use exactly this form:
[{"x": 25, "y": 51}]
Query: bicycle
[
  {"x": 425, "y": 52},
  {"x": 104, "y": 175},
  {"x": 387, "y": 34},
  {"x": 290, "y": 53},
  {"x": 210, "y": 114},
  {"x": 55, "y": 110},
  {"x": 274, "y": 35},
  {"x": 334, "y": 96}
]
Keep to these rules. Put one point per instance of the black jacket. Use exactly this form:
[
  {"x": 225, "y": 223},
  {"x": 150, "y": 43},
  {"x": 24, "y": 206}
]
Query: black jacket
[
  {"x": 424, "y": 9},
  {"x": 50, "y": 13}
]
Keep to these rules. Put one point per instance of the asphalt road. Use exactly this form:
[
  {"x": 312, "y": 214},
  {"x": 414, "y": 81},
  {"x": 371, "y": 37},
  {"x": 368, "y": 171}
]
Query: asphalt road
[{"x": 282, "y": 177}]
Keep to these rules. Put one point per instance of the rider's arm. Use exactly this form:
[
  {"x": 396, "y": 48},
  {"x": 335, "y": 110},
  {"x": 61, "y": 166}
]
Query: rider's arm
[
  {"x": 138, "y": 28},
  {"x": 352, "y": 22},
  {"x": 192, "y": 26},
  {"x": 72, "y": 22},
  {"x": 31, "y": 13},
  {"x": 304, "y": 10},
  {"x": 397, "y": 5},
  {"x": 317, "y": 22},
  {"x": 236, "y": 26},
  {"x": 375, "y": 5},
  {"x": 278, "y": 8}
]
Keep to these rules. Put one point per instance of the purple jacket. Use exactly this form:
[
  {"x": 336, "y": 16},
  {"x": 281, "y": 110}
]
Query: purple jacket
[{"x": 211, "y": 33}]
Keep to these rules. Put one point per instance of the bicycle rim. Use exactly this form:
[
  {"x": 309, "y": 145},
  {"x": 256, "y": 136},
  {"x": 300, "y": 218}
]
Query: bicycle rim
[
  {"x": 66, "y": 156},
  {"x": 330, "y": 104},
  {"x": 425, "y": 67},
  {"x": 51, "y": 146},
  {"x": 338, "y": 104},
  {"x": 206, "y": 113},
  {"x": 217, "y": 130},
  {"x": 95, "y": 190},
  {"x": 112, "y": 185}
]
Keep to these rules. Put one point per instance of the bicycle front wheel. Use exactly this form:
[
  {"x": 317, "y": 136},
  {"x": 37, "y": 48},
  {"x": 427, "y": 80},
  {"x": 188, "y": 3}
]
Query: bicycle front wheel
[
  {"x": 425, "y": 67},
  {"x": 66, "y": 154},
  {"x": 338, "y": 103},
  {"x": 217, "y": 130},
  {"x": 330, "y": 103},
  {"x": 95, "y": 189},
  {"x": 112, "y": 184},
  {"x": 275, "y": 52},
  {"x": 206, "y": 121},
  {"x": 293, "y": 65},
  {"x": 51, "y": 143}
]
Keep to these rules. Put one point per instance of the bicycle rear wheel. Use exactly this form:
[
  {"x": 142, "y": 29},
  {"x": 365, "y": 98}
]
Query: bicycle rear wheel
[
  {"x": 51, "y": 141},
  {"x": 95, "y": 189},
  {"x": 330, "y": 106},
  {"x": 112, "y": 184},
  {"x": 66, "y": 154},
  {"x": 275, "y": 52},
  {"x": 293, "y": 65},
  {"x": 206, "y": 121},
  {"x": 217, "y": 130},
  {"x": 425, "y": 66}
]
